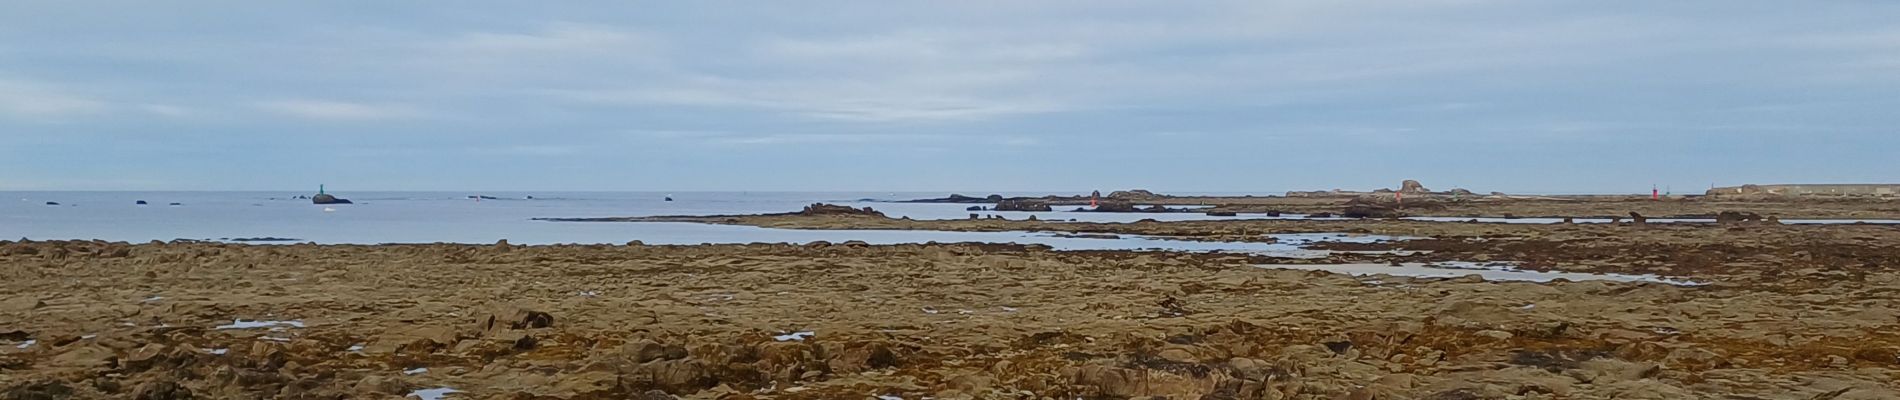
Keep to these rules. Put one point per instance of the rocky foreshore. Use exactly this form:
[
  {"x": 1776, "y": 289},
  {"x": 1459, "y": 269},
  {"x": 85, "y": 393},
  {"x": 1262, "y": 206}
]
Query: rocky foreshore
[{"x": 848, "y": 320}]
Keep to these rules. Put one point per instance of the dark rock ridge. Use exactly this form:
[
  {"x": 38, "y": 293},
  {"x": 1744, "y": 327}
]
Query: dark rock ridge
[
  {"x": 1023, "y": 205},
  {"x": 261, "y": 239},
  {"x": 1363, "y": 209},
  {"x": 328, "y": 199},
  {"x": 1135, "y": 195},
  {"x": 817, "y": 209},
  {"x": 1409, "y": 188}
]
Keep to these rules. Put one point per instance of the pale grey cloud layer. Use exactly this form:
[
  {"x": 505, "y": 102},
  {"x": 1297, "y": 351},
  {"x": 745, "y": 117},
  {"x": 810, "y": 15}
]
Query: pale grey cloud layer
[{"x": 982, "y": 95}]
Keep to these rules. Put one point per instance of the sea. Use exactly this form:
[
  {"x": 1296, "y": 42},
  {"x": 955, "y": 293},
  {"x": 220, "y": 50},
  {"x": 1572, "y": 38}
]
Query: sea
[{"x": 456, "y": 217}]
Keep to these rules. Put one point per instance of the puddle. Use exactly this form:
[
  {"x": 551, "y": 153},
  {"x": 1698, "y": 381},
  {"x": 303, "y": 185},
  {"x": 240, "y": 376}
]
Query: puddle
[
  {"x": 242, "y": 324},
  {"x": 152, "y": 299},
  {"x": 218, "y": 352},
  {"x": 354, "y": 348},
  {"x": 1490, "y": 271},
  {"x": 795, "y": 336},
  {"x": 415, "y": 371},
  {"x": 432, "y": 394},
  {"x": 26, "y": 344}
]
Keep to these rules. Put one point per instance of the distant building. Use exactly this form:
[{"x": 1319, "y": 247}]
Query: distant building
[{"x": 1882, "y": 190}]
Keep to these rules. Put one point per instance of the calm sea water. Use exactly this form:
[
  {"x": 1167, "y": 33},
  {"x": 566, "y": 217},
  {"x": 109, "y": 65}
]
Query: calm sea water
[
  {"x": 429, "y": 217},
  {"x": 441, "y": 217}
]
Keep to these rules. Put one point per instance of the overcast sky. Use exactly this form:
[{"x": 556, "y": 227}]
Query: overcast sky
[{"x": 1238, "y": 96}]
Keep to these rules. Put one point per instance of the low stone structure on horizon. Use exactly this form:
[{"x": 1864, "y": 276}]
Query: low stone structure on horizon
[{"x": 1880, "y": 190}]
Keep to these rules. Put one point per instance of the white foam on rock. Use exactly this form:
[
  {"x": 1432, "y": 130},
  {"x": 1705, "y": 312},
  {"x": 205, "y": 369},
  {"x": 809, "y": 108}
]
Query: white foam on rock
[
  {"x": 242, "y": 324},
  {"x": 795, "y": 336}
]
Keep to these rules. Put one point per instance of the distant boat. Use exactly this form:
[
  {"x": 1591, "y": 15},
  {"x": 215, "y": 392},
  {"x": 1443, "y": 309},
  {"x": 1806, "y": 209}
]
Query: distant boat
[
  {"x": 55, "y": 203},
  {"x": 328, "y": 209},
  {"x": 177, "y": 204},
  {"x": 669, "y": 198},
  {"x": 140, "y": 202}
]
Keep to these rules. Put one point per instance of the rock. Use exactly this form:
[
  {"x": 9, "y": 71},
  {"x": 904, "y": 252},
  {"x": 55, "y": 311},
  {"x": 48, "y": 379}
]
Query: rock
[
  {"x": 1638, "y": 219},
  {"x": 514, "y": 318},
  {"x": 1222, "y": 214},
  {"x": 161, "y": 390},
  {"x": 864, "y": 357},
  {"x": 1734, "y": 217},
  {"x": 1178, "y": 355},
  {"x": 818, "y": 209},
  {"x": 994, "y": 197},
  {"x": 1495, "y": 334},
  {"x": 85, "y": 357},
  {"x": 1370, "y": 211},
  {"x": 1368, "y": 208},
  {"x": 674, "y": 376},
  {"x": 1695, "y": 359},
  {"x": 377, "y": 385},
  {"x": 1412, "y": 186},
  {"x": 328, "y": 199},
  {"x": 23, "y": 302},
  {"x": 646, "y": 350},
  {"x": 1461, "y": 192},
  {"x": 1116, "y": 206},
  {"x": 973, "y": 208},
  {"x": 1109, "y": 381},
  {"x": 1023, "y": 205},
  {"x": 1320, "y": 215},
  {"x": 1136, "y": 194}
]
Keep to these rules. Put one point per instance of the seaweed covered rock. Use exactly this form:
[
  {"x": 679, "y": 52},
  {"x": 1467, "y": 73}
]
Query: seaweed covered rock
[
  {"x": 327, "y": 199},
  {"x": 1023, "y": 205},
  {"x": 817, "y": 209}
]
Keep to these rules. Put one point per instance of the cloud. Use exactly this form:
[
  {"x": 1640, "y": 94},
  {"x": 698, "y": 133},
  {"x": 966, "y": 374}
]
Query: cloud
[
  {"x": 31, "y": 100},
  {"x": 165, "y": 110},
  {"x": 778, "y": 139},
  {"x": 338, "y": 110}
]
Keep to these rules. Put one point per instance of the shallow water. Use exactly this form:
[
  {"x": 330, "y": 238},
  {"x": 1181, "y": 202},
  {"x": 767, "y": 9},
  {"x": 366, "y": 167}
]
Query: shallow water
[
  {"x": 432, "y": 394},
  {"x": 1490, "y": 271}
]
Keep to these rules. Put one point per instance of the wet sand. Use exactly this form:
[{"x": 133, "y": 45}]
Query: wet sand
[{"x": 1789, "y": 313}]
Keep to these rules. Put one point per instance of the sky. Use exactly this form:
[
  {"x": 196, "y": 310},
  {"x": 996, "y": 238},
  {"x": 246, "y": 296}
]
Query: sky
[{"x": 1562, "y": 96}]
